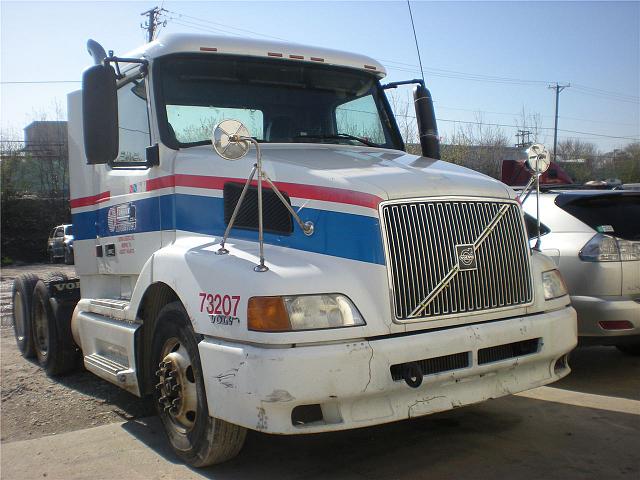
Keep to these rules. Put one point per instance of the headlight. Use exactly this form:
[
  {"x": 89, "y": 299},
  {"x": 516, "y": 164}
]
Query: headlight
[
  {"x": 304, "y": 312},
  {"x": 553, "y": 284}
]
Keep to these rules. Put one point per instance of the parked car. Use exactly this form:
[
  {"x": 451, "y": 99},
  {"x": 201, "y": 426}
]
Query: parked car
[
  {"x": 594, "y": 238},
  {"x": 60, "y": 244}
]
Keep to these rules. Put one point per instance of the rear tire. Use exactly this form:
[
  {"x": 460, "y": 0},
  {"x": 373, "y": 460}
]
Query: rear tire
[
  {"x": 631, "y": 349},
  {"x": 22, "y": 299},
  {"x": 55, "y": 350},
  {"x": 197, "y": 438}
]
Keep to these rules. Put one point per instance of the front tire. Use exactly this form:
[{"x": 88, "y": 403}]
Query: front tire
[
  {"x": 22, "y": 299},
  {"x": 197, "y": 438}
]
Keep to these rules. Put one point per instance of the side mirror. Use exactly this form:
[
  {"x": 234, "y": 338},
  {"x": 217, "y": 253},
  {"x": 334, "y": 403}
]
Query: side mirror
[
  {"x": 538, "y": 158},
  {"x": 427, "y": 126},
  {"x": 100, "y": 114}
]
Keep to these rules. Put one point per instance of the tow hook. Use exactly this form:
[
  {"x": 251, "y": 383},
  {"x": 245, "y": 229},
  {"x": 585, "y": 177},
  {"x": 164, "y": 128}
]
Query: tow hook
[{"x": 412, "y": 374}]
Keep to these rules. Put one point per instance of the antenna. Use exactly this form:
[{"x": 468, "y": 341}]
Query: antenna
[{"x": 415, "y": 37}]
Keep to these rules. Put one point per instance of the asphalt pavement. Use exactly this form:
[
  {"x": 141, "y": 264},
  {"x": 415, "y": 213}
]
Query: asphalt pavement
[{"x": 585, "y": 426}]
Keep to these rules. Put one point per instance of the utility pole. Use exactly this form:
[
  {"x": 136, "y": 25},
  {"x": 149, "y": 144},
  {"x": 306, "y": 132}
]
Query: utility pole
[
  {"x": 522, "y": 143},
  {"x": 558, "y": 88},
  {"x": 152, "y": 22}
]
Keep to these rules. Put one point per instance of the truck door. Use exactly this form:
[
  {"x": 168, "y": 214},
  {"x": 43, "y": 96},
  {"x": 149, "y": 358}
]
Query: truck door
[{"x": 129, "y": 226}]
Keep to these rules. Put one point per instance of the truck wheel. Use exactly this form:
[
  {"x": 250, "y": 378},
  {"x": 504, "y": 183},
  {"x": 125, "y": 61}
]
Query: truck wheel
[
  {"x": 22, "y": 298},
  {"x": 179, "y": 396},
  {"x": 631, "y": 349},
  {"x": 51, "y": 329}
]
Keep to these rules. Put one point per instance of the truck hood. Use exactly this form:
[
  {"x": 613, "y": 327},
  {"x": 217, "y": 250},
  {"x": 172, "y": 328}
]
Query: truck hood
[{"x": 389, "y": 174}]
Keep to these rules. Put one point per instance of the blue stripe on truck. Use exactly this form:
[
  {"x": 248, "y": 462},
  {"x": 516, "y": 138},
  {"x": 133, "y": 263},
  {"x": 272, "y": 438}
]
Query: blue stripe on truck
[{"x": 351, "y": 236}]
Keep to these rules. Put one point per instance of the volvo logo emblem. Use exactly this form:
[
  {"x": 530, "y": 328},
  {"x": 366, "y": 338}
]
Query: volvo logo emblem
[{"x": 466, "y": 257}]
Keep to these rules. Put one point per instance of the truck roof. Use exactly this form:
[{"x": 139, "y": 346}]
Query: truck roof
[{"x": 216, "y": 44}]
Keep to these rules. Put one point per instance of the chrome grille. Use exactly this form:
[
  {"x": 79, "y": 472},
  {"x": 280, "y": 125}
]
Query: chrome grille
[{"x": 421, "y": 239}]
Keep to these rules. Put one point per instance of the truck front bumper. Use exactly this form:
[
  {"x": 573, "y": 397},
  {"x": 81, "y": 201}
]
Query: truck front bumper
[{"x": 350, "y": 385}]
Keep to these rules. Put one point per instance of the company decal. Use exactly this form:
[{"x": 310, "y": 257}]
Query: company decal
[
  {"x": 138, "y": 187},
  {"x": 67, "y": 286},
  {"x": 122, "y": 218},
  {"x": 222, "y": 309},
  {"x": 126, "y": 245},
  {"x": 467, "y": 259}
]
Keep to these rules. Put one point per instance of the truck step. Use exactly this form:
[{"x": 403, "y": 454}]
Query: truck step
[
  {"x": 108, "y": 345},
  {"x": 111, "y": 371},
  {"x": 110, "y": 307}
]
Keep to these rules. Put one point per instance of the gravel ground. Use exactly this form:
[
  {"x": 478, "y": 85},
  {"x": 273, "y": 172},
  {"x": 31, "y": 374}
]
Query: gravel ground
[{"x": 34, "y": 405}]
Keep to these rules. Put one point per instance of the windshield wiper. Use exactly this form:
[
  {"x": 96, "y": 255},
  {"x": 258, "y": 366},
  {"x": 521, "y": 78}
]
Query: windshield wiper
[{"x": 339, "y": 136}]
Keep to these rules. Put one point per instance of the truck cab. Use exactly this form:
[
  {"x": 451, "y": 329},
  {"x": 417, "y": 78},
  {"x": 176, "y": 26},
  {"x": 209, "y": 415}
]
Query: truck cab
[{"x": 415, "y": 291}]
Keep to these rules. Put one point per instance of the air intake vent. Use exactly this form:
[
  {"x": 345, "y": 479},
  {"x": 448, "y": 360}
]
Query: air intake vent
[
  {"x": 431, "y": 366},
  {"x": 452, "y": 257},
  {"x": 277, "y": 218},
  {"x": 508, "y": 350}
]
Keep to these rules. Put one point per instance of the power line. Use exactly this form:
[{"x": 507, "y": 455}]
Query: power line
[
  {"x": 526, "y": 126},
  {"x": 203, "y": 20},
  {"x": 19, "y": 82},
  {"x": 438, "y": 72}
]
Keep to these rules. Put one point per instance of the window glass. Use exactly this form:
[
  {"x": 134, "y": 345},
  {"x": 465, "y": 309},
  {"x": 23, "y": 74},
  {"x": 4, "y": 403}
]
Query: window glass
[
  {"x": 193, "y": 123},
  {"x": 133, "y": 123},
  {"x": 59, "y": 232},
  {"x": 68, "y": 230},
  {"x": 360, "y": 117},
  {"x": 610, "y": 213},
  {"x": 278, "y": 101}
]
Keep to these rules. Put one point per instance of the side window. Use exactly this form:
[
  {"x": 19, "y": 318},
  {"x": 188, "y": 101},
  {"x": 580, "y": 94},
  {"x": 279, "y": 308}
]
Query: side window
[
  {"x": 360, "y": 117},
  {"x": 133, "y": 124}
]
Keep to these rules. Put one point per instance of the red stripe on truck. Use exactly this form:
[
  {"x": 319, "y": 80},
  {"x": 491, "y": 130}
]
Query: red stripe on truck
[
  {"x": 311, "y": 192},
  {"x": 91, "y": 200}
]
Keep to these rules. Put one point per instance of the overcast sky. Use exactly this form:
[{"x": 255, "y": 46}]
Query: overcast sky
[{"x": 495, "y": 58}]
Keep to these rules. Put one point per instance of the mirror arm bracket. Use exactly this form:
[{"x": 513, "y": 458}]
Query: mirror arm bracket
[
  {"x": 116, "y": 61},
  {"x": 387, "y": 86}
]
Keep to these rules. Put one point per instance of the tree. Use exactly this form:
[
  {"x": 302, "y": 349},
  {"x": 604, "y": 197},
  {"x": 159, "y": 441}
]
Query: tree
[{"x": 477, "y": 146}]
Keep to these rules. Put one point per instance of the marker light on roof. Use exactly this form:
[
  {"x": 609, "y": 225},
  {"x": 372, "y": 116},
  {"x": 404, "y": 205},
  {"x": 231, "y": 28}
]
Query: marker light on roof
[
  {"x": 274, "y": 54},
  {"x": 208, "y": 49}
]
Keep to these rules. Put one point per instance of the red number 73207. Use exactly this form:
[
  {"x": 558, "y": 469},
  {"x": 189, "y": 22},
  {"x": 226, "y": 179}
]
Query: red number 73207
[{"x": 216, "y": 304}]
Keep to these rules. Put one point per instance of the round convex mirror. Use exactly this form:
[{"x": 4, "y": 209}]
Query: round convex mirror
[
  {"x": 538, "y": 158},
  {"x": 227, "y": 139}
]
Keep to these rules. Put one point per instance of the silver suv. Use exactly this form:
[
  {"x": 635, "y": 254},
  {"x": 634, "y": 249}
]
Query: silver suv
[
  {"x": 594, "y": 238},
  {"x": 60, "y": 244}
]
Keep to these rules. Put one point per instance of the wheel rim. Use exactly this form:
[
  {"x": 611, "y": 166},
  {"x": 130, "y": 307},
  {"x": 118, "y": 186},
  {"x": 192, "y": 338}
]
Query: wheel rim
[
  {"x": 18, "y": 317},
  {"x": 41, "y": 330},
  {"x": 177, "y": 394}
]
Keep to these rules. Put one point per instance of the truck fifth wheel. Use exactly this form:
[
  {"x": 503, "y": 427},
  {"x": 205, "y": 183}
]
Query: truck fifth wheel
[{"x": 256, "y": 249}]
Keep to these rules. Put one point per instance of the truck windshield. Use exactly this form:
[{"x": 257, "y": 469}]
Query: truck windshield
[{"x": 279, "y": 101}]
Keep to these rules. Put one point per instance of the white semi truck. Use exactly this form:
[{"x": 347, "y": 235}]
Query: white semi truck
[{"x": 256, "y": 250}]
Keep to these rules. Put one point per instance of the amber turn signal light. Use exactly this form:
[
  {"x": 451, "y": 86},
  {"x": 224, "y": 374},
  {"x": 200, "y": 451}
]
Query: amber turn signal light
[{"x": 268, "y": 314}]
